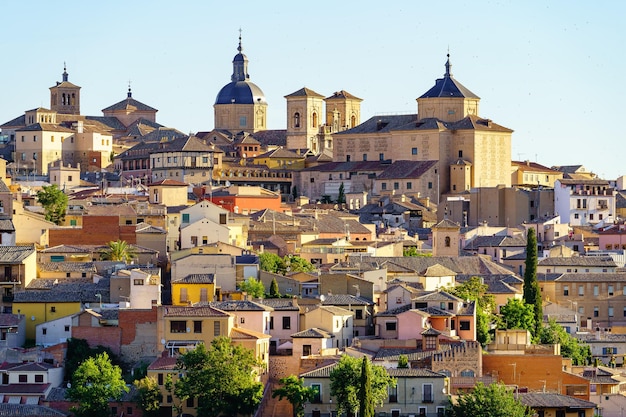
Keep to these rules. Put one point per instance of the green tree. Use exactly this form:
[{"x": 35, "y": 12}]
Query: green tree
[
  {"x": 54, "y": 202},
  {"x": 271, "y": 262},
  {"x": 222, "y": 378},
  {"x": 516, "y": 314},
  {"x": 474, "y": 289},
  {"x": 570, "y": 346},
  {"x": 403, "y": 361},
  {"x": 297, "y": 264},
  {"x": 78, "y": 351},
  {"x": 495, "y": 400},
  {"x": 118, "y": 250},
  {"x": 96, "y": 382},
  {"x": 294, "y": 192},
  {"x": 412, "y": 251},
  {"x": 295, "y": 392},
  {"x": 148, "y": 396},
  {"x": 532, "y": 293},
  {"x": 253, "y": 287},
  {"x": 345, "y": 382},
  {"x": 274, "y": 291},
  {"x": 341, "y": 197},
  {"x": 366, "y": 405}
]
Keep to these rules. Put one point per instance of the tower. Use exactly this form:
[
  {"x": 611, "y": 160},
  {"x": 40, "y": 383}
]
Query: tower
[
  {"x": 304, "y": 113},
  {"x": 65, "y": 96},
  {"x": 240, "y": 105}
]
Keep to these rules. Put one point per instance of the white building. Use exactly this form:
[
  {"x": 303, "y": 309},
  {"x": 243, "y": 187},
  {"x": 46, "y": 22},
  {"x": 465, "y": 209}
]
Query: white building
[{"x": 584, "y": 202}]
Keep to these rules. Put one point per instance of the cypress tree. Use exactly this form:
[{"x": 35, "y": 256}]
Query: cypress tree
[
  {"x": 532, "y": 293},
  {"x": 274, "y": 291},
  {"x": 366, "y": 401}
]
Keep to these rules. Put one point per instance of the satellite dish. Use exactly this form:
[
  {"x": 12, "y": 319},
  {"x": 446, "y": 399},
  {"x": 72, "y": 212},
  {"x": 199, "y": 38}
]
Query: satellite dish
[
  {"x": 162, "y": 341},
  {"x": 322, "y": 298}
]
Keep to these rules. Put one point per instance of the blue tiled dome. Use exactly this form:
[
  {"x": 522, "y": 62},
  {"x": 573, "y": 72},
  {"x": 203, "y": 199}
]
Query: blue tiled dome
[{"x": 242, "y": 92}]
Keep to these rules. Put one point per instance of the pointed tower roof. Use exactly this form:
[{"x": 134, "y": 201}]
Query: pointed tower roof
[
  {"x": 448, "y": 86},
  {"x": 304, "y": 92},
  {"x": 65, "y": 78},
  {"x": 240, "y": 90},
  {"x": 129, "y": 103}
]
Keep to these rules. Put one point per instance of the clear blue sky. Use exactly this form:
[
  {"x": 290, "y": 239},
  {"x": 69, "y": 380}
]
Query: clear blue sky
[{"x": 551, "y": 71}]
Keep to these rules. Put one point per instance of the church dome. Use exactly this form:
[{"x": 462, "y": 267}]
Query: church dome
[{"x": 240, "y": 90}]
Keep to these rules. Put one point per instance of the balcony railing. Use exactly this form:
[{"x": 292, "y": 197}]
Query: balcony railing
[{"x": 14, "y": 279}]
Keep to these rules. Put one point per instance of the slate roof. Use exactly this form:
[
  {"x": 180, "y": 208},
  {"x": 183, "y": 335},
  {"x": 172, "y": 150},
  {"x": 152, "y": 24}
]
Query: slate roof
[
  {"x": 66, "y": 267},
  {"x": 448, "y": 86},
  {"x": 6, "y": 225},
  {"x": 15, "y": 254},
  {"x": 552, "y": 400},
  {"x": 196, "y": 279},
  {"x": 394, "y": 311},
  {"x": 65, "y": 290},
  {"x": 9, "y": 320},
  {"x": 496, "y": 241},
  {"x": 281, "y": 304},
  {"x": 313, "y": 333},
  {"x": 275, "y": 137},
  {"x": 437, "y": 296},
  {"x": 381, "y": 124}
]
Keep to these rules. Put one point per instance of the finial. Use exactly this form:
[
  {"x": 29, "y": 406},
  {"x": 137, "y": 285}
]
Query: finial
[
  {"x": 130, "y": 94},
  {"x": 240, "y": 48},
  {"x": 448, "y": 65},
  {"x": 64, "y": 71}
]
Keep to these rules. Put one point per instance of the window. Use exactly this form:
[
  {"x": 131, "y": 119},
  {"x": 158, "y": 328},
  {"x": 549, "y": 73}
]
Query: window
[
  {"x": 183, "y": 295},
  {"x": 396, "y": 185},
  {"x": 358, "y": 314},
  {"x": 138, "y": 281},
  {"x": 347, "y": 158},
  {"x": 566, "y": 290},
  {"x": 223, "y": 218},
  {"x": 610, "y": 290},
  {"x": 381, "y": 156},
  {"x": 464, "y": 325},
  {"x": 23, "y": 378},
  {"x": 317, "y": 393},
  {"x": 576, "y": 215},
  {"x": 185, "y": 217},
  {"x": 467, "y": 372},
  {"x": 430, "y": 185},
  {"x": 296, "y": 120},
  {"x": 217, "y": 329},
  {"x": 409, "y": 185},
  {"x": 306, "y": 350},
  {"x": 160, "y": 379},
  {"x": 129, "y": 410},
  {"x": 365, "y": 157},
  {"x": 596, "y": 290},
  {"x": 611, "y": 311},
  {"x": 427, "y": 393},
  {"x": 178, "y": 326},
  {"x": 44, "y": 331},
  {"x": 581, "y": 290},
  {"x": 609, "y": 350},
  {"x": 271, "y": 323},
  {"x": 596, "y": 311},
  {"x": 197, "y": 326},
  {"x": 286, "y": 323},
  {"x": 204, "y": 295},
  {"x": 243, "y": 121},
  {"x": 390, "y": 326},
  {"x": 114, "y": 411},
  {"x": 53, "y": 309},
  {"x": 393, "y": 394},
  {"x": 447, "y": 241},
  {"x": 383, "y": 186},
  {"x": 413, "y": 151},
  {"x": 39, "y": 378},
  {"x": 242, "y": 320},
  {"x": 190, "y": 402},
  {"x": 460, "y": 154},
  {"x": 67, "y": 328}
]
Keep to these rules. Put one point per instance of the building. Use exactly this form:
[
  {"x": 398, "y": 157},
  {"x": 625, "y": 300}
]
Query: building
[{"x": 584, "y": 202}]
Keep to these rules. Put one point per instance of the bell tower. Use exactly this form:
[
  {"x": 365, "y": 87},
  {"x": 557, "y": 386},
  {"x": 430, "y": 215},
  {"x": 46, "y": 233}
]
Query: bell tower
[{"x": 65, "y": 96}]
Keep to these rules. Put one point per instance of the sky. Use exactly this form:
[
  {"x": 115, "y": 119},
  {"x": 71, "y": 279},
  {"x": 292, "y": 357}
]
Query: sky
[{"x": 551, "y": 71}]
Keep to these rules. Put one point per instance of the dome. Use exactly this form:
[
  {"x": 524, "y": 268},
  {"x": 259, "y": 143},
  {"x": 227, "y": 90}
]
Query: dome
[{"x": 242, "y": 92}]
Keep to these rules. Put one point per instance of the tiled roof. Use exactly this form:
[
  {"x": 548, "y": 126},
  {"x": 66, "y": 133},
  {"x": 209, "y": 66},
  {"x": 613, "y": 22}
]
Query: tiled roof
[
  {"x": 593, "y": 261},
  {"x": 26, "y": 366},
  {"x": 304, "y": 92},
  {"x": 394, "y": 311},
  {"x": 15, "y": 254},
  {"x": 196, "y": 279},
  {"x": 342, "y": 94},
  {"x": 9, "y": 320},
  {"x": 345, "y": 300},
  {"x": 436, "y": 312},
  {"x": 65, "y": 290},
  {"x": 66, "y": 267},
  {"x": 338, "y": 311},
  {"x": 413, "y": 373},
  {"x": 281, "y": 304},
  {"x": 242, "y": 333},
  {"x": 6, "y": 225},
  {"x": 314, "y": 333},
  {"x": 381, "y": 124},
  {"x": 496, "y": 241},
  {"x": 591, "y": 277},
  {"x": 447, "y": 224},
  {"x": 130, "y": 103},
  {"x": 240, "y": 305},
  {"x": 406, "y": 169},
  {"x": 183, "y": 311},
  {"x": 28, "y": 410},
  {"x": 437, "y": 296},
  {"x": 551, "y": 400},
  {"x": 392, "y": 354},
  {"x": 24, "y": 389},
  {"x": 163, "y": 364},
  {"x": 275, "y": 137}
]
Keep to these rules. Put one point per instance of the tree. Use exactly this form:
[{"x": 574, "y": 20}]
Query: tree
[
  {"x": 294, "y": 192},
  {"x": 222, "y": 378},
  {"x": 570, "y": 346},
  {"x": 532, "y": 294},
  {"x": 345, "y": 382},
  {"x": 475, "y": 289},
  {"x": 274, "y": 291},
  {"x": 341, "y": 197},
  {"x": 295, "y": 392},
  {"x": 403, "y": 361},
  {"x": 54, "y": 202},
  {"x": 118, "y": 250},
  {"x": 516, "y": 314},
  {"x": 271, "y": 262},
  {"x": 412, "y": 251},
  {"x": 96, "y": 382},
  {"x": 78, "y": 351},
  {"x": 253, "y": 287},
  {"x": 495, "y": 400},
  {"x": 148, "y": 396},
  {"x": 297, "y": 264},
  {"x": 366, "y": 405}
]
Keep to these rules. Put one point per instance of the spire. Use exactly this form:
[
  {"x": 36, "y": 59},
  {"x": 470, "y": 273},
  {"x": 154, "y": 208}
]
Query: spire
[
  {"x": 240, "y": 64},
  {"x": 448, "y": 73},
  {"x": 64, "y": 72},
  {"x": 130, "y": 93}
]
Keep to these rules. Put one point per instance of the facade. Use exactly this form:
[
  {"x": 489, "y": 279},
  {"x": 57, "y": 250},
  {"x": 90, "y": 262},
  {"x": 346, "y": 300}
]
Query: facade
[
  {"x": 584, "y": 202},
  {"x": 184, "y": 159}
]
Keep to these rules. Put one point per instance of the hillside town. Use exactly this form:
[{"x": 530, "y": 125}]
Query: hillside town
[{"x": 412, "y": 243}]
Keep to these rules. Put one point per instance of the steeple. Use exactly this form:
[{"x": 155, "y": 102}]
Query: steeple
[
  {"x": 130, "y": 94},
  {"x": 240, "y": 65},
  {"x": 65, "y": 72},
  {"x": 448, "y": 73}
]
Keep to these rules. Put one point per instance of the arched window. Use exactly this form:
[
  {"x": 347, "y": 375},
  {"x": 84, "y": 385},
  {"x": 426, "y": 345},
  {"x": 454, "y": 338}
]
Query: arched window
[
  {"x": 314, "y": 119},
  {"x": 353, "y": 121},
  {"x": 447, "y": 241},
  {"x": 467, "y": 372},
  {"x": 63, "y": 99},
  {"x": 446, "y": 372},
  {"x": 296, "y": 120}
]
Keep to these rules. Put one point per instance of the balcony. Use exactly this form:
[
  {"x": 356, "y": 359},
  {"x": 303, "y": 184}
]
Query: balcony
[{"x": 13, "y": 280}]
